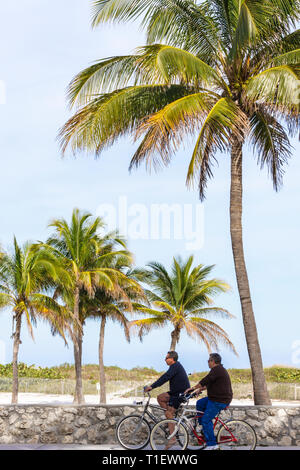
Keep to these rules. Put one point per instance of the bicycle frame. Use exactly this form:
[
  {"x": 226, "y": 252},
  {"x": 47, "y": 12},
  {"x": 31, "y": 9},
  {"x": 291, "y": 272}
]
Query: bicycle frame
[
  {"x": 198, "y": 414},
  {"x": 146, "y": 411},
  {"x": 146, "y": 415},
  {"x": 217, "y": 420}
]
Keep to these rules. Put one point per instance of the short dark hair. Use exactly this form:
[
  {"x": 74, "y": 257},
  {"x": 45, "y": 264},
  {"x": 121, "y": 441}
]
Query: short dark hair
[
  {"x": 216, "y": 358},
  {"x": 173, "y": 355}
]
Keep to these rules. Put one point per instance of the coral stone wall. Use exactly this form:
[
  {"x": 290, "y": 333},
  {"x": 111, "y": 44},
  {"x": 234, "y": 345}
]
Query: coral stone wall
[{"x": 48, "y": 424}]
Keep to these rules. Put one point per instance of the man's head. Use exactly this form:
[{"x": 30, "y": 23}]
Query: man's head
[
  {"x": 171, "y": 358},
  {"x": 214, "y": 360}
]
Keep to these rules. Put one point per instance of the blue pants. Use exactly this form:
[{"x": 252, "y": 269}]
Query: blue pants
[{"x": 211, "y": 409}]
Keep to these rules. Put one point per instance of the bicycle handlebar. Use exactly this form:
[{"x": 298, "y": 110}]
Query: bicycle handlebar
[{"x": 188, "y": 396}]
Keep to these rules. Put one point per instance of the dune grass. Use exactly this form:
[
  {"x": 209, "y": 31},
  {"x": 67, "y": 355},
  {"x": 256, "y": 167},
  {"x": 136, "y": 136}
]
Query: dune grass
[
  {"x": 60, "y": 380},
  {"x": 278, "y": 374}
]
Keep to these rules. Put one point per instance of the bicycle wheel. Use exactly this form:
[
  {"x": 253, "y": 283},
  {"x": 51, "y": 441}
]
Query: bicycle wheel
[
  {"x": 133, "y": 432},
  {"x": 169, "y": 434},
  {"x": 195, "y": 435},
  {"x": 236, "y": 435}
]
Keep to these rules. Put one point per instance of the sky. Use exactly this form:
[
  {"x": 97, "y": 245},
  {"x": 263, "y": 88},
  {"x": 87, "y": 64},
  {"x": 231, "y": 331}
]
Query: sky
[{"x": 44, "y": 44}]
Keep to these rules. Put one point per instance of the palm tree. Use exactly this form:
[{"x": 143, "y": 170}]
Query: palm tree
[
  {"x": 183, "y": 298},
  {"x": 113, "y": 306},
  {"x": 108, "y": 309},
  {"x": 25, "y": 277},
  {"x": 226, "y": 71},
  {"x": 87, "y": 258}
]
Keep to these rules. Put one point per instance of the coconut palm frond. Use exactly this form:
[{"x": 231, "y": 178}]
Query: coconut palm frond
[
  {"x": 168, "y": 20},
  {"x": 271, "y": 143},
  {"x": 288, "y": 58},
  {"x": 104, "y": 76},
  {"x": 252, "y": 21},
  {"x": 106, "y": 116},
  {"x": 165, "y": 307},
  {"x": 214, "y": 332},
  {"x": 197, "y": 335},
  {"x": 185, "y": 25},
  {"x": 59, "y": 317},
  {"x": 277, "y": 87},
  {"x": 116, "y": 314},
  {"x": 146, "y": 325},
  {"x": 164, "y": 131},
  {"x": 150, "y": 64},
  {"x": 5, "y": 299},
  {"x": 208, "y": 311},
  {"x": 158, "y": 314},
  {"x": 172, "y": 65},
  {"x": 22, "y": 308},
  {"x": 224, "y": 120},
  {"x": 178, "y": 297}
]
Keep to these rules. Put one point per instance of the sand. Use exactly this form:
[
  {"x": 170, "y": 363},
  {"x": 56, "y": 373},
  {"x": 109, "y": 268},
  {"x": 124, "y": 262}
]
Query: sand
[{"x": 46, "y": 399}]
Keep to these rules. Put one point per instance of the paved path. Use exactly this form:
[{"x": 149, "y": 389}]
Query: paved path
[
  {"x": 98, "y": 448},
  {"x": 58, "y": 447},
  {"x": 112, "y": 398}
]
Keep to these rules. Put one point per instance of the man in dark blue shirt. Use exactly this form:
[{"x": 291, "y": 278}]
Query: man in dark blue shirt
[{"x": 179, "y": 382}]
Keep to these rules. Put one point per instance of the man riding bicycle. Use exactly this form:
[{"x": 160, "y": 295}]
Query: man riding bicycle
[
  {"x": 179, "y": 382},
  {"x": 219, "y": 396}
]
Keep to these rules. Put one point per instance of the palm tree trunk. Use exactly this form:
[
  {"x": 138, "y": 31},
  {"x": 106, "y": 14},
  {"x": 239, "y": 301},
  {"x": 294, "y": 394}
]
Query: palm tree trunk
[
  {"x": 261, "y": 396},
  {"x": 101, "y": 362},
  {"x": 16, "y": 344},
  {"x": 175, "y": 339},
  {"x": 78, "y": 397}
]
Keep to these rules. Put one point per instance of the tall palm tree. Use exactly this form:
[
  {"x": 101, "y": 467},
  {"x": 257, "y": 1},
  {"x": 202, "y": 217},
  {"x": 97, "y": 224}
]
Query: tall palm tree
[
  {"x": 183, "y": 298},
  {"x": 87, "y": 257},
  {"x": 226, "y": 71},
  {"x": 25, "y": 277}
]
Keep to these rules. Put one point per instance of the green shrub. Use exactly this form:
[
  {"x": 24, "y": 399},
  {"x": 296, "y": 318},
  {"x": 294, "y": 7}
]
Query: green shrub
[
  {"x": 31, "y": 371},
  {"x": 90, "y": 372}
]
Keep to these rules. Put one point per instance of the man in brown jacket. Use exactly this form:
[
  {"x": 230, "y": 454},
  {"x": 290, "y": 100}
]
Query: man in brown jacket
[{"x": 219, "y": 395}]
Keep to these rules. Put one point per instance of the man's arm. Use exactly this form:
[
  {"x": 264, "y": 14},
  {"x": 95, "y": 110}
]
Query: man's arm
[
  {"x": 198, "y": 387},
  {"x": 209, "y": 378},
  {"x": 162, "y": 379}
]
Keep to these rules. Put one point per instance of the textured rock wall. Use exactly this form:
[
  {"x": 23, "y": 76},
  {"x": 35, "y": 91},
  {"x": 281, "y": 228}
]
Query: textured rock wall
[
  {"x": 96, "y": 424},
  {"x": 273, "y": 425}
]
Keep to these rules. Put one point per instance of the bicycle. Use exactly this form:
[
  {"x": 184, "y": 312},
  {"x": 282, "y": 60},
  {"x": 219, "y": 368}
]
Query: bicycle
[
  {"x": 133, "y": 431},
  {"x": 233, "y": 434}
]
